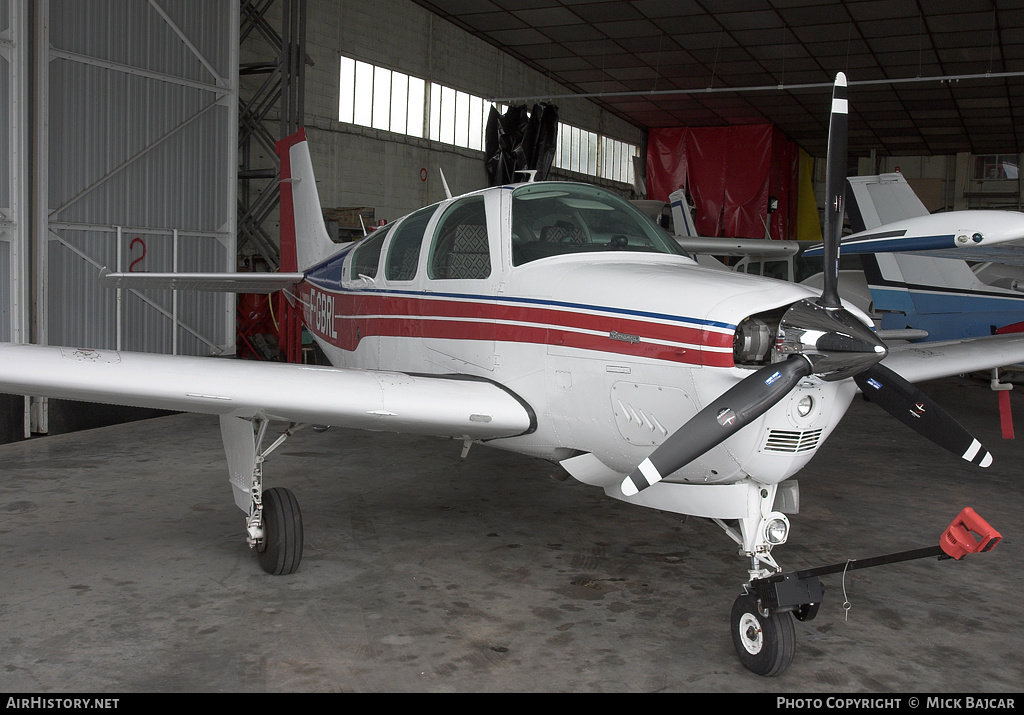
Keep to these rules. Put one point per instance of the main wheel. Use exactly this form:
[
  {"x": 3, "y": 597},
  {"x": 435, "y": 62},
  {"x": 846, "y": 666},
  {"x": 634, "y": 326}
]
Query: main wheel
[
  {"x": 765, "y": 644},
  {"x": 280, "y": 550}
]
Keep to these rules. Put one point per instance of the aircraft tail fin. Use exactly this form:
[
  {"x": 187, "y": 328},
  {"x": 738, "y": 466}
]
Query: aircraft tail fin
[
  {"x": 874, "y": 201},
  {"x": 304, "y": 238},
  {"x": 682, "y": 220}
]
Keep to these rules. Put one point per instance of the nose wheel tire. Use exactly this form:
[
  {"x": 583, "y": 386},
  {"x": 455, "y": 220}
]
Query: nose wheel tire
[
  {"x": 764, "y": 644},
  {"x": 280, "y": 549}
]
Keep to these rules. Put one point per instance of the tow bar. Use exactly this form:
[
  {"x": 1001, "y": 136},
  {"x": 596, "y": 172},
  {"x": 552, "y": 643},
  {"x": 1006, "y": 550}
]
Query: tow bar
[{"x": 801, "y": 592}]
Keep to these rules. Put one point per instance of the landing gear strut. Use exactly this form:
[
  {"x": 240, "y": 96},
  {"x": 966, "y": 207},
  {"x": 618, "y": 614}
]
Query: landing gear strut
[
  {"x": 763, "y": 616},
  {"x": 764, "y": 638},
  {"x": 274, "y": 522}
]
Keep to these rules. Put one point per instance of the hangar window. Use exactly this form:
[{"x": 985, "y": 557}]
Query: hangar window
[
  {"x": 404, "y": 253},
  {"x": 594, "y": 155},
  {"x": 457, "y": 118},
  {"x": 461, "y": 250},
  {"x": 380, "y": 98},
  {"x": 995, "y": 166},
  {"x": 366, "y": 256},
  {"x": 617, "y": 159}
]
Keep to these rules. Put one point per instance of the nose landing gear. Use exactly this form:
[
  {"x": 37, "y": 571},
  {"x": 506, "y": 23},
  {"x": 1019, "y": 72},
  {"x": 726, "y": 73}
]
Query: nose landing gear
[
  {"x": 765, "y": 643},
  {"x": 763, "y": 629}
]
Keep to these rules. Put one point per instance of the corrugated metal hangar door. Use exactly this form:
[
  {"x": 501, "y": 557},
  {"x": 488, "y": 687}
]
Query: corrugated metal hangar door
[{"x": 121, "y": 153}]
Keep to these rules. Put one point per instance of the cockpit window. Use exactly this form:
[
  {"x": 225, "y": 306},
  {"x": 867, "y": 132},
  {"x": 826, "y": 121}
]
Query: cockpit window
[{"x": 552, "y": 219}]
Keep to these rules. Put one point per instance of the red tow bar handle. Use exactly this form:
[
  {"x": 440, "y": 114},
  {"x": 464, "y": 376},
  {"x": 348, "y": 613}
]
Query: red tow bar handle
[{"x": 968, "y": 534}]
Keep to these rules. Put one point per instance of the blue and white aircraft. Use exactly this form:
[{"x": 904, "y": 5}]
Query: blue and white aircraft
[{"x": 944, "y": 276}]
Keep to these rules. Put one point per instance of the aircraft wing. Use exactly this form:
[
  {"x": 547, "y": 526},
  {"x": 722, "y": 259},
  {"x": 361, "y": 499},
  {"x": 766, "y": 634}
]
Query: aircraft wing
[
  {"x": 918, "y": 362},
  {"x": 1010, "y": 253},
  {"x": 389, "y": 401},
  {"x": 214, "y": 282}
]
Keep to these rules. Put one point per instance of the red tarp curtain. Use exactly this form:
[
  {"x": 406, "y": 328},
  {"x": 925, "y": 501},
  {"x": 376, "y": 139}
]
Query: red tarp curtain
[{"x": 730, "y": 172}]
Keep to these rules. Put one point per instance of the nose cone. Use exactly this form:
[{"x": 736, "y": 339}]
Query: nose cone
[{"x": 835, "y": 341}]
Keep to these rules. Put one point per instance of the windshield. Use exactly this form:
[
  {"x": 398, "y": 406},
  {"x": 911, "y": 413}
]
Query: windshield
[{"x": 553, "y": 219}]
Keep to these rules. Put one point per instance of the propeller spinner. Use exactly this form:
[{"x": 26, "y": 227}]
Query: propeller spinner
[{"x": 818, "y": 338}]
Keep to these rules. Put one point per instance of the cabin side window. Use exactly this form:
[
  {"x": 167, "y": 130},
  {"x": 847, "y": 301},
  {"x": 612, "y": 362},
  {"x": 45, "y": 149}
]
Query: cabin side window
[
  {"x": 404, "y": 252},
  {"x": 461, "y": 249},
  {"x": 366, "y": 256}
]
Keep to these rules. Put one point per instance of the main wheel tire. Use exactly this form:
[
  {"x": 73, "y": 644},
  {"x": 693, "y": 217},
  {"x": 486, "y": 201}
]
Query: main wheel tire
[
  {"x": 764, "y": 644},
  {"x": 280, "y": 550}
]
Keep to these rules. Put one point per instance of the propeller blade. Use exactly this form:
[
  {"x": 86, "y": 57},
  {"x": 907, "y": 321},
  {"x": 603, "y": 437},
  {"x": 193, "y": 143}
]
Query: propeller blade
[
  {"x": 835, "y": 189},
  {"x": 913, "y": 408},
  {"x": 741, "y": 404}
]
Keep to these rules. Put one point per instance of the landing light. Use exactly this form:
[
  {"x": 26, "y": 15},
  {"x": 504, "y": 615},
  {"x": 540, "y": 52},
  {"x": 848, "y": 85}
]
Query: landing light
[
  {"x": 776, "y": 529},
  {"x": 805, "y": 405}
]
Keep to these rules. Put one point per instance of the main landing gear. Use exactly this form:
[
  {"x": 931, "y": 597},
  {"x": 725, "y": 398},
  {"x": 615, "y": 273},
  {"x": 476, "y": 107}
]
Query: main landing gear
[
  {"x": 763, "y": 617},
  {"x": 280, "y": 548},
  {"x": 274, "y": 521}
]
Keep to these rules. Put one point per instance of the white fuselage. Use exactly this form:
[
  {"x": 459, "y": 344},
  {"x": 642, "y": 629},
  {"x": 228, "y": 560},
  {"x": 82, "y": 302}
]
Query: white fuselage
[{"x": 613, "y": 350}]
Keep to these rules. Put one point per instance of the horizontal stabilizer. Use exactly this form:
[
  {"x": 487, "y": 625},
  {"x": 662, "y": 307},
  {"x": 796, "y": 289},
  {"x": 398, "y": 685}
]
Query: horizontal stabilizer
[{"x": 211, "y": 282}]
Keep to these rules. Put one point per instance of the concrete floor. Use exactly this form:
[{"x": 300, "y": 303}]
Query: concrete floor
[{"x": 125, "y": 570}]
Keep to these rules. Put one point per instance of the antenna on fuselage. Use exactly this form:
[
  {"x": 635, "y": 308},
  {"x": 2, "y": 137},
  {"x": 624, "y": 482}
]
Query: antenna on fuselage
[
  {"x": 531, "y": 174},
  {"x": 447, "y": 191}
]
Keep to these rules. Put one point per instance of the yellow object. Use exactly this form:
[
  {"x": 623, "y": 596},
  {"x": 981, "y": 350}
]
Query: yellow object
[{"x": 808, "y": 223}]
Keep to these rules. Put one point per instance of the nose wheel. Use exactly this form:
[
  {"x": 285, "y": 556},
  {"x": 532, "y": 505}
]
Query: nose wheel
[{"x": 765, "y": 644}]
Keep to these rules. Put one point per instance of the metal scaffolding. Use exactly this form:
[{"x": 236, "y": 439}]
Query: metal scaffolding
[{"x": 280, "y": 92}]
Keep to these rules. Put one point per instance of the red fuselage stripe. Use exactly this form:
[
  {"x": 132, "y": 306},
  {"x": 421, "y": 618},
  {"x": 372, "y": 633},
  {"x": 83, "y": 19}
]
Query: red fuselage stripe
[{"x": 361, "y": 315}]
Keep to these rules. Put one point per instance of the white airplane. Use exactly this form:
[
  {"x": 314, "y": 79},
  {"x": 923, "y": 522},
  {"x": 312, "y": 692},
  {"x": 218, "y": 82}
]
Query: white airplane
[
  {"x": 554, "y": 320},
  {"x": 920, "y": 276},
  {"x": 946, "y": 275}
]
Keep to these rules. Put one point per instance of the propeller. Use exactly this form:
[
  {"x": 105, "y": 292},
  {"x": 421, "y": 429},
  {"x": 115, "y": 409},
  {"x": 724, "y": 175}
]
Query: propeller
[
  {"x": 815, "y": 337},
  {"x": 909, "y": 405},
  {"x": 734, "y": 409},
  {"x": 835, "y": 190}
]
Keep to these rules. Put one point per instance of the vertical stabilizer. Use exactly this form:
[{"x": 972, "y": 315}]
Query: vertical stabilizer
[
  {"x": 304, "y": 238},
  {"x": 881, "y": 199},
  {"x": 682, "y": 221}
]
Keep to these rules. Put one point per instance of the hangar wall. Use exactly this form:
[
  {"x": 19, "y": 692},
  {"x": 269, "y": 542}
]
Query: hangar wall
[
  {"x": 139, "y": 144},
  {"x": 13, "y": 168},
  {"x": 357, "y": 166},
  {"x": 119, "y": 152},
  {"x": 952, "y": 183}
]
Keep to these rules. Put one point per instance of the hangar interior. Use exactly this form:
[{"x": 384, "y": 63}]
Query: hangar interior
[
  {"x": 141, "y": 137},
  {"x": 184, "y": 180}
]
